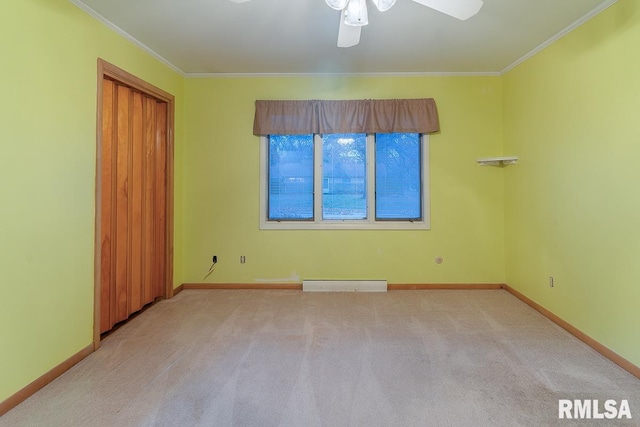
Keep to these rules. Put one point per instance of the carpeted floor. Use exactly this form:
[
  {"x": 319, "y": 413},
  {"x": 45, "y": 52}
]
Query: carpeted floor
[{"x": 288, "y": 358}]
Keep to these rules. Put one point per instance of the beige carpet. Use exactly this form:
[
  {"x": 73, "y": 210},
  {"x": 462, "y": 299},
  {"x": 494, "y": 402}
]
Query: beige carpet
[{"x": 287, "y": 358}]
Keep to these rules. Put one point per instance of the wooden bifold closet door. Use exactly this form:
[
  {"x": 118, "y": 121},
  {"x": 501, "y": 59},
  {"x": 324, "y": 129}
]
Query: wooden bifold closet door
[{"x": 133, "y": 196}]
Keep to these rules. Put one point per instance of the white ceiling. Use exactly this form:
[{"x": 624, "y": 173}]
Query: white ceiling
[{"x": 299, "y": 36}]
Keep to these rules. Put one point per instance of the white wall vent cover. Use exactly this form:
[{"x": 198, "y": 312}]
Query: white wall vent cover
[{"x": 344, "y": 285}]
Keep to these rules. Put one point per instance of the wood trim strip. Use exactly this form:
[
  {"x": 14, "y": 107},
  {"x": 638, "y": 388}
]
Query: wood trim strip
[
  {"x": 97, "y": 253},
  {"x": 298, "y": 286},
  {"x": 22, "y": 395},
  {"x": 122, "y": 76},
  {"x": 177, "y": 290},
  {"x": 597, "y": 346},
  {"x": 443, "y": 286}
]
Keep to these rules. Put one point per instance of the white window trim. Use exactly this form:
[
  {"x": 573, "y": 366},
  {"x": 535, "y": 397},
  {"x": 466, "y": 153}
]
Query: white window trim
[{"x": 368, "y": 224}]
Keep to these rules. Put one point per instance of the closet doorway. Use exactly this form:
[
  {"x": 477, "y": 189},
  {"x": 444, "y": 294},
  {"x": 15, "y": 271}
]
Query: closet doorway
[{"x": 134, "y": 197}]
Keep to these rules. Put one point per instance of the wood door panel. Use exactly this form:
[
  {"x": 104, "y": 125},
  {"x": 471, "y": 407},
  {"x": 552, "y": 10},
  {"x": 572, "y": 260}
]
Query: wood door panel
[
  {"x": 136, "y": 185},
  {"x": 160, "y": 205},
  {"x": 133, "y": 202},
  {"x": 106, "y": 203},
  {"x": 149, "y": 199},
  {"x": 122, "y": 206}
]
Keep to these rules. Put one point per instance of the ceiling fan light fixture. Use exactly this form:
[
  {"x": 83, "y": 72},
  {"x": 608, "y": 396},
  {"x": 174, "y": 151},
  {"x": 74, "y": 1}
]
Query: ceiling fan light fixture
[
  {"x": 383, "y": 5},
  {"x": 337, "y": 4},
  {"x": 356, "y": 13}
]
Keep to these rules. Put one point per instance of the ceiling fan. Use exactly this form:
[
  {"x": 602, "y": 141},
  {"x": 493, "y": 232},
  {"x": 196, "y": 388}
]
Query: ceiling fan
[{"x": 354, "y": 15}]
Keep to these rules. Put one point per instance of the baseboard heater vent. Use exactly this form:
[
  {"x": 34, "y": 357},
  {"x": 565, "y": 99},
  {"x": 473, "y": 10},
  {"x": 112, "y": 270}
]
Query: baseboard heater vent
[{"x": 344, "y": 285}]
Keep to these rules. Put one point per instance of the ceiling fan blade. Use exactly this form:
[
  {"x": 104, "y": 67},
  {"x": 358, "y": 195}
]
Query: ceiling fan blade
[
  {"x": 337, "y": 4},
  {"x": 461, "y": 9},
  {"x": 383, "y": 5},
  {"x": 348, "y": 35}
]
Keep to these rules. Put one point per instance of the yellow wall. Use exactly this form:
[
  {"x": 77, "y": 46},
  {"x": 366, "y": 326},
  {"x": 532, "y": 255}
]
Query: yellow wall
[
  {"x": 221, "y": 188},
  {"x": 572, "y": 114},
  {"x": 47, "y": 178}
]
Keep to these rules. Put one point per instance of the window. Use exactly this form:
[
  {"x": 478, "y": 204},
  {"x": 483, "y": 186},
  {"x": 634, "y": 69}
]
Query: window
[
  {"x": 347, "y": 180},
  {"x": 344, "y": 176},
  {"x": 290, "y": 175}
]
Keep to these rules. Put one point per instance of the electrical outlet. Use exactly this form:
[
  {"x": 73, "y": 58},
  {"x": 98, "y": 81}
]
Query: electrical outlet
[
  {"x": 551, "y": 281},
  {"x": 242, "y": 259},
  {"x": 215, "y": 259}
]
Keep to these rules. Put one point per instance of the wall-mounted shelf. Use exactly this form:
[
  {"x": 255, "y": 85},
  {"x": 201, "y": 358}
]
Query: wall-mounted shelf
[{"x": 498, "y": 161}]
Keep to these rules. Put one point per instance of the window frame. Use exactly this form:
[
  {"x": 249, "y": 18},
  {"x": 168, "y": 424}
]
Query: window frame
[{"x": 370, "y": 223}]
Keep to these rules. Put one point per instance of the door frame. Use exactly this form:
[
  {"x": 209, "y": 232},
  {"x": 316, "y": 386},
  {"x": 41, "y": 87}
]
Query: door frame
[{"x": 107, "y": 70}]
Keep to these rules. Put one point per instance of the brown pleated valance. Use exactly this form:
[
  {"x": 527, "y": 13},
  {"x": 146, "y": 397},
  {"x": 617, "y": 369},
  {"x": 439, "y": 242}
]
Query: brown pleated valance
[{"x": 352, "y": 116}]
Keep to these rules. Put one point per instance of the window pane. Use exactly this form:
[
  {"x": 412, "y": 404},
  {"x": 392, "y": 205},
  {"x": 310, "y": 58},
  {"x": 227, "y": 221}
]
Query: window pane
[
  {"x": 344, "y": 176},
  {"x": 398, "y": 176},
  {"x": 290, "y": 177}
]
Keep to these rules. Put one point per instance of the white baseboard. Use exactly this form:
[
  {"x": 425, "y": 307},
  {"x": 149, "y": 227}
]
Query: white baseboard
[{"x": 344, "y": 285}]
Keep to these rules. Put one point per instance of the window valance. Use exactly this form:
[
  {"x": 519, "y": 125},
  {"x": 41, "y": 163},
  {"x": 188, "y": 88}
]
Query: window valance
[{"x": 349, "y": 116}]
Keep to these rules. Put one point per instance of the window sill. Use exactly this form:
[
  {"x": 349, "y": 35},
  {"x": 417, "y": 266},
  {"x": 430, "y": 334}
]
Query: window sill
[{"x": 344, "y": 225}]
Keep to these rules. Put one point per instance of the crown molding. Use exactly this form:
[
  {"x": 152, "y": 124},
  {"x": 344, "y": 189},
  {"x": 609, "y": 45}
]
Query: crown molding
[
  {"x": 389, "y": 74},
  {"x": 113, "y": 27},
  {"x": 558, "y": 36}
]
